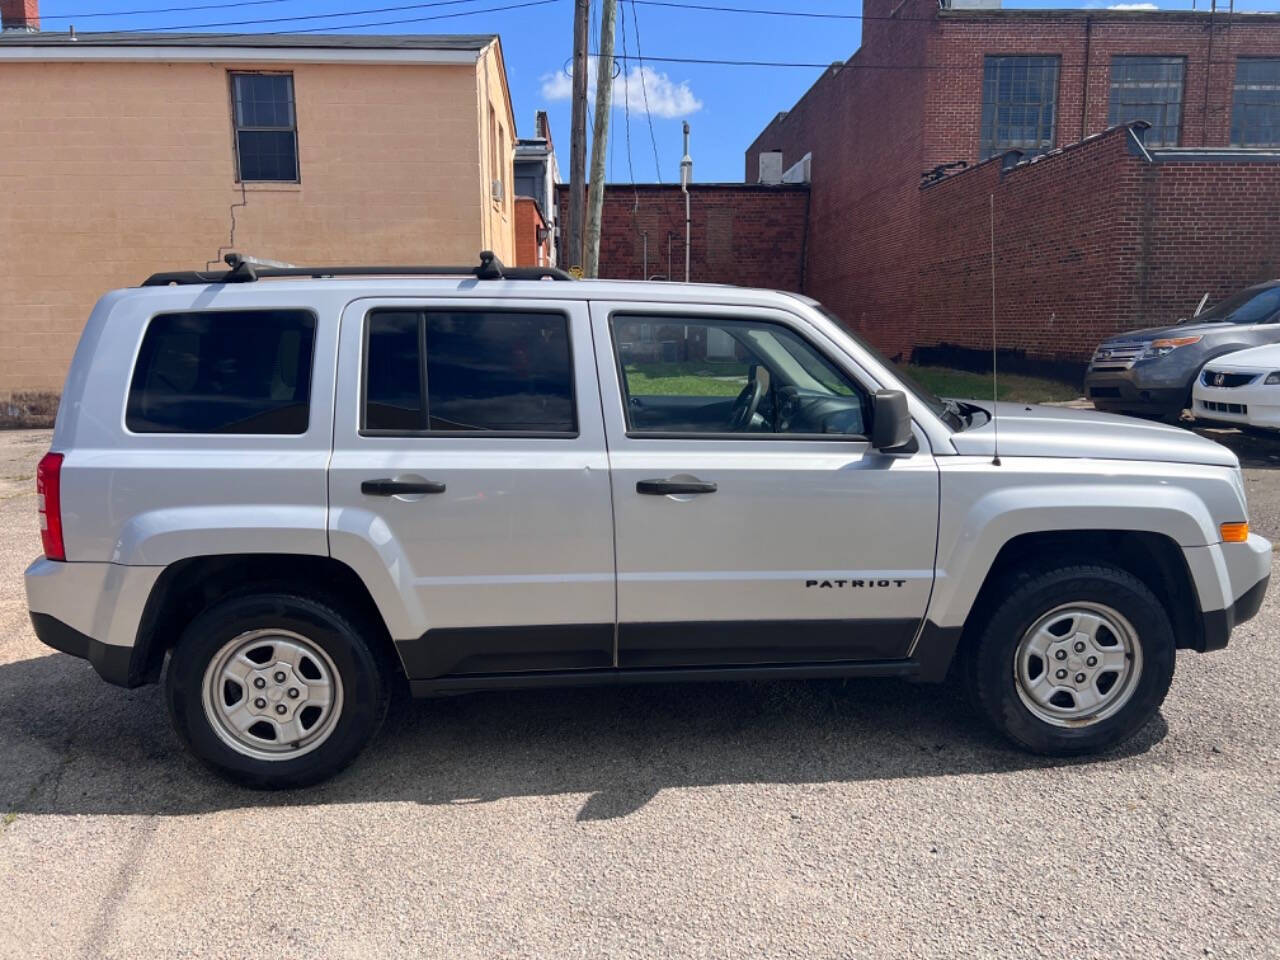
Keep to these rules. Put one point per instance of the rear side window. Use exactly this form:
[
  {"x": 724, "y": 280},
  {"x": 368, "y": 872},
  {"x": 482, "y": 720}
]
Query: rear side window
[
  {"x": 244, "y": 371},
  {"x": 469, "y": 372}
]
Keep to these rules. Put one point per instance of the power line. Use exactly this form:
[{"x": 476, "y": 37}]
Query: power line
[
  {"x": 837, "y": 65},
  {"x": 439, "y": 16},
  {"x": 139, "y": 13},
  {"x": 819, "y": 15},
  {"x": 626, "y": 100},
  {"x": 304, "y": 16},
  {"x": 644, "y": 92},
  {"x": 767, "y": 13}
]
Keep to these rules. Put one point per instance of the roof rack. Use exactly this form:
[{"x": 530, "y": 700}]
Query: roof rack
[{"x": 248, "y": 269}]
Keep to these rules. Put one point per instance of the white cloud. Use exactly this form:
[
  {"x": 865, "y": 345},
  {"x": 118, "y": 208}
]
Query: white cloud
[
  {"x": 557, "y": 86},
  {"x": 638, "y": 87},
  {"x": 1133, "y": 6}
]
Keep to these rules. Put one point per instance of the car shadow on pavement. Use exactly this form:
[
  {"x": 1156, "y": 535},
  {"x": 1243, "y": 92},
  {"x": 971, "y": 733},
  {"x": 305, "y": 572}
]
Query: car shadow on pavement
[{"x": 69, "y": 744}]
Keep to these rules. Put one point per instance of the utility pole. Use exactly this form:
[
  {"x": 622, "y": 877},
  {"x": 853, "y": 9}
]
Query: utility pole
[
  {"x": 578, "y": 134},
  {"x": 600, "y": 139}
]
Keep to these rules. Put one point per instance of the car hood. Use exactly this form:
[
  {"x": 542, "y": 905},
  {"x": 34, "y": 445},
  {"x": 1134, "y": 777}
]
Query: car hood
[
  {"x": 1255, "y": 358},
  {"x": 1172, "y": 330},
  {"x": 1042, "y": 431}
]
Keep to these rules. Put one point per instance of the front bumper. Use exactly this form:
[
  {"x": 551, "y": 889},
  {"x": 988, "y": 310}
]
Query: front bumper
[
  {"x": 1254, "y": 404},
  {"x": 1124, "y": 392},
  {"x": 1217, "y": 625},
  {"x": 1230, "y": 581}
]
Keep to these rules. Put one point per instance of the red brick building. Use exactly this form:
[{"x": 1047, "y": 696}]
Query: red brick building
[
  {"x": 533, "y": 235},
  {"x": 749, "y": 234},
  {"x": 1096, "y": 239}
]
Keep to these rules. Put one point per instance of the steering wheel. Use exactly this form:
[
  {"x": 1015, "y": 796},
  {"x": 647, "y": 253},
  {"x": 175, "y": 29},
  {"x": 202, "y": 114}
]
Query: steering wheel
[{"x": 748, "y": 401}]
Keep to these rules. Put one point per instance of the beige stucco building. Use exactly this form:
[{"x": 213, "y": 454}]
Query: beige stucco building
[{"x": 121, "y": 155}]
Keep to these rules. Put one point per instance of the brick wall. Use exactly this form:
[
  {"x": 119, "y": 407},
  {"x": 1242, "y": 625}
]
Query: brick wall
[
  {"x": 530, "y": 251},
  {"x": 743, "y": 234},
  {"x": 911, "y": 98},
  {"x": 1089, "y": 241},
  {"x": 861, "y": 123}
]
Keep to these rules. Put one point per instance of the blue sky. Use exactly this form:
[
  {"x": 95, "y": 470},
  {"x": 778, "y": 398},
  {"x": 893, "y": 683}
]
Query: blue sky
[{"x": 725, "y": 106}]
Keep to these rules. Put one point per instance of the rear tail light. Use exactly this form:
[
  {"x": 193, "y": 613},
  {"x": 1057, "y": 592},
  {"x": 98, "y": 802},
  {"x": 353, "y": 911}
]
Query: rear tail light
[{"x": 49, "y": 503}]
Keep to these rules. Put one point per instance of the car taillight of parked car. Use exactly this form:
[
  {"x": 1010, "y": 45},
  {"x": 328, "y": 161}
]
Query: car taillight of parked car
[{"x": 49, "y": 503}]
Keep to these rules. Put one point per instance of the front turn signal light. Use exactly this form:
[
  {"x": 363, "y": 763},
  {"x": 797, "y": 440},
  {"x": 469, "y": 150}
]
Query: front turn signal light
[
  {"x": 1234, "y": 532},
  {"x": 1163, "y": 347}
]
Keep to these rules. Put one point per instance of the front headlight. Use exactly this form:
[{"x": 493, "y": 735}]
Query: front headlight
[
  {"x": 1160, "y": 348},
  {"x": 1273, "y": 377}
]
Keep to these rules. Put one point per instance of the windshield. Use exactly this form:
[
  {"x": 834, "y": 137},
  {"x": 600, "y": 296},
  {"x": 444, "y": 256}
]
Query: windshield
[
  {"x": 942, "y": 408},
  {"x": 1247, "y": 306}
]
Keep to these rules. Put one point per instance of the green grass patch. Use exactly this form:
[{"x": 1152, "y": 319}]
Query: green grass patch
[
  {"x": 8, "y": 818},
  {"x": 690, "y": 379},
  {"x": 705, "y": 379},
  {"x": 962, "y": 384}
]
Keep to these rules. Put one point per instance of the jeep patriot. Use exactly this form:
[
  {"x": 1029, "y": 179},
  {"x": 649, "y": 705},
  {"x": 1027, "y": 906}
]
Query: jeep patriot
[{"x": 282, "y": 490}]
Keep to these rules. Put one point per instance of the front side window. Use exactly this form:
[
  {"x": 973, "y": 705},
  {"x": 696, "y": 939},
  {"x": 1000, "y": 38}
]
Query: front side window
[
  {"x": 731, "y": 377},
  {"x": 1255, "y": 109},
  {"x": 266, "y": 127},
  {"x": 245, "y": 371},
  {"x": 1019, "y": 104},
  {"x": 470, "y": 372},
  {"x": 1149, "y": 88}
]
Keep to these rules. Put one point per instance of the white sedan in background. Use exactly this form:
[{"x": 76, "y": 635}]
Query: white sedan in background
[{"x": 1241, "y": 388}]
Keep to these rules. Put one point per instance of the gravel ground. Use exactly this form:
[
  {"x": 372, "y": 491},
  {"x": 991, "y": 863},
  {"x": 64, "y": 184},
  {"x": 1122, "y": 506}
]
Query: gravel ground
[{"x": 811, "y": 820}]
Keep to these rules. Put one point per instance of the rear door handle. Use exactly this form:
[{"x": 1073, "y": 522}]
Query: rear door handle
[
  {"x": 662, "y": 488},
  {"x": 386, "y": 487}
]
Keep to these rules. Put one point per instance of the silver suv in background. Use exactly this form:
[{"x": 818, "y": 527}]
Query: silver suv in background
[
  {"x": 281, "y": 491},
  {"x": 1151, "y": 372}
]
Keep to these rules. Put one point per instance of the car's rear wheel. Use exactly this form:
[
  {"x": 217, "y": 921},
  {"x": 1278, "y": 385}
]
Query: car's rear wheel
[
  {"x": 1074, "y": 659},
  {"x": 275, "y": 690}
]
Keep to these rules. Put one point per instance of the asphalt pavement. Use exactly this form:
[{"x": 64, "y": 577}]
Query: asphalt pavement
[{"x": 791, "y": 819}]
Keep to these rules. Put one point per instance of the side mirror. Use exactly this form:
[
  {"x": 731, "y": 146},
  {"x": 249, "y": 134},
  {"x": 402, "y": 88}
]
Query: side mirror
[{"x": 891, "y": 422}]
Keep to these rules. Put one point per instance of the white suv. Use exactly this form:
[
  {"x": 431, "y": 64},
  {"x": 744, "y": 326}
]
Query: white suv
[{"x": 299, "y": 485}]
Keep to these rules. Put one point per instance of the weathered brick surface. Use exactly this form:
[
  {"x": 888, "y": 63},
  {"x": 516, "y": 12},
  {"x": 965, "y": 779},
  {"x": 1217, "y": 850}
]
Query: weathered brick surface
[
  {"x": 1090, "y": 241},
  {"x": 1087, "y": 243},
  {"x": 748, "y": 235}
]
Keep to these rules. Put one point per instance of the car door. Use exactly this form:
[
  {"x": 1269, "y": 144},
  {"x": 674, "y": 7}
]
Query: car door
[
  {"x": 469, "y": 485},
  {"x": 754, "y": 521}
]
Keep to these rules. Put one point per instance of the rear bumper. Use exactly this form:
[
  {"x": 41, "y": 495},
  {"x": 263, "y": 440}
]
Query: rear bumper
[
  {"x": 114, "y": 664},
  {"x": 92, "y": 611}
]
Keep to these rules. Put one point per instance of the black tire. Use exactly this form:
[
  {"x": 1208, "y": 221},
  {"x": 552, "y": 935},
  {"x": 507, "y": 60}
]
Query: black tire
[
  {"x": 363, "y": 672},
  {"x": 1031, "y": 594}
]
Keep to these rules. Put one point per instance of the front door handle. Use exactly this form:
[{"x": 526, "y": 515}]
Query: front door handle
[
  {"x": 662, "y": 488},
  {"x": 386, "y": 487}
]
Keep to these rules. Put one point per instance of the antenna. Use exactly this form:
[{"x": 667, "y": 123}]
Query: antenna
[{"x": 995, "y": 383}]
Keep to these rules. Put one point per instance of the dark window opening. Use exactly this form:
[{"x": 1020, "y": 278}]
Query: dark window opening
[
  {"x": 1255, "y": 109},
  {"x": 224, "y": 372},
  {"x": 480, "y": 372},
  {"x": 266, "y": 127},
  {"x": 1149, "y": 88},
  {"x": 1019, "y": 104}
]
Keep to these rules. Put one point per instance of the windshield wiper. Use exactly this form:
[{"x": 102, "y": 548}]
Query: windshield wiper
[{"x": 957, "y": 411}]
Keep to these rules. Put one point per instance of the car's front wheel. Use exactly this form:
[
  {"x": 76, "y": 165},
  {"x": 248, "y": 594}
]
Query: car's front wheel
[
  {"x": 275, "y": 690},
  {"x": 1074, "y": 659}
]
